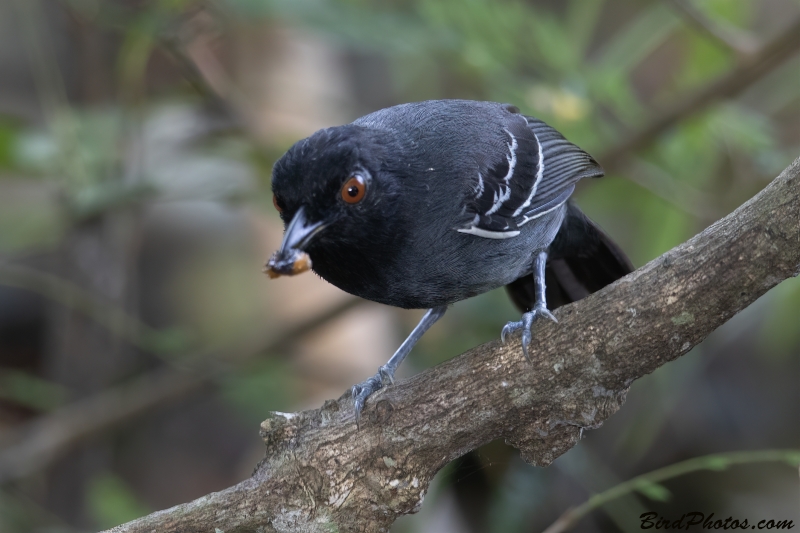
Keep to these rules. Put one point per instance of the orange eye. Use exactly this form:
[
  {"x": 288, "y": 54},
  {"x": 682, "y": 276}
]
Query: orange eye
[
  {"x": 277, "y": 204},
  {"x": 354, "y": 190}
]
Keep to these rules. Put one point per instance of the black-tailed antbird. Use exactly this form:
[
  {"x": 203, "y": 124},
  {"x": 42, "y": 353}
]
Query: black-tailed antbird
[{"x": 424, "y": 204}]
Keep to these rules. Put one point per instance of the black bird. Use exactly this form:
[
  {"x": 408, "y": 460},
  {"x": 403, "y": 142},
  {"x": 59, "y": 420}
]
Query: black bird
[{"x": 424, "y": 204}]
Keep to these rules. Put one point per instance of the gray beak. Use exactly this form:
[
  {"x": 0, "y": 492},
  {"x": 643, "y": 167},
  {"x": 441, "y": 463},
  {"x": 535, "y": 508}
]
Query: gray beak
[{"x": 291, "y": 259}]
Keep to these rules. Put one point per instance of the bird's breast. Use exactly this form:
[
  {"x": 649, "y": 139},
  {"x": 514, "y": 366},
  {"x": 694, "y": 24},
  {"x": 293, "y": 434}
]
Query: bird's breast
[{"x": 433, "y": 269}]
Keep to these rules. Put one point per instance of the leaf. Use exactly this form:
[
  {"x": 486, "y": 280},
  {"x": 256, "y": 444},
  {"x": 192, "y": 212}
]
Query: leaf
[
  {"x": 742, "y": 130},
  {"x": 793, "y": 458},
  {"x": 31, "y": 391},
  {"x": 704, "y": 61},
  {"x": 738, "y": 12},
  {"x": 717, "y": 463},
  {"x": 653, "y": 491}
]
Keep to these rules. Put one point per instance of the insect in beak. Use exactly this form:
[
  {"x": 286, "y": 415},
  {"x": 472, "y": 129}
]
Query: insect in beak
[{"x": 291, "y": 258}]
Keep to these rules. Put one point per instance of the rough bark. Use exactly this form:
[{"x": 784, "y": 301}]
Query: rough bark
[{"x": 322, "y": 473}]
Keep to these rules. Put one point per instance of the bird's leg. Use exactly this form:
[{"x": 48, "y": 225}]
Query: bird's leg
[
  {"x": 385, "y": 373},
  {"x": 539, "y": 308}
]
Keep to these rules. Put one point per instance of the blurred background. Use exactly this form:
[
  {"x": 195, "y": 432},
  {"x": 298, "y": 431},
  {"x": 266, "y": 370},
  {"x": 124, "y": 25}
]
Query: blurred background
[{"x": 140, "y": 344}]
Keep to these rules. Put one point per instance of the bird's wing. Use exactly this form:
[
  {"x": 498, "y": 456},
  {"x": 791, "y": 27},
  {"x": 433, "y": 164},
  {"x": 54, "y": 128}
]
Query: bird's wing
[{"x": 534, "y": 174}]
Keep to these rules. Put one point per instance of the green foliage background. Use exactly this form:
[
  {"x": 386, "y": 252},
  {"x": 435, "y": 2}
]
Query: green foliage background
[{"x": 600, "y": 71}]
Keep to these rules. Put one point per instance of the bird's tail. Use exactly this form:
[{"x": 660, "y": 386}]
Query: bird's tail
[{"x": 581, "y": 260}]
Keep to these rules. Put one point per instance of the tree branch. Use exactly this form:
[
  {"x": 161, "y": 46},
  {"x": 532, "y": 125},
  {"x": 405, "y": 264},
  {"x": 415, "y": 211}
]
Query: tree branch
[
  {"x": 740, "y": 42},
  {"x": 322, "y": 473},
  {"x": 751, "y": 69}
]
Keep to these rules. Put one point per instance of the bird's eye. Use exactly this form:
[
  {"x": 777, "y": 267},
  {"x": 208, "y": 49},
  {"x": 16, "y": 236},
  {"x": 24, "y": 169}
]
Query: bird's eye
[
  {"x": 354, "y": 189},
  {"x": 277, "y": 203}
]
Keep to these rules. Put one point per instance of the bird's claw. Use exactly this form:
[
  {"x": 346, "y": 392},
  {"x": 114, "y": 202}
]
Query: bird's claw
[
  {"x": 366, "y": 388},
  {"x": 525, "y": 326}
]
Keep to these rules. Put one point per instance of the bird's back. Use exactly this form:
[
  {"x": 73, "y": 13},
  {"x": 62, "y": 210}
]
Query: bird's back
[{"x": 470, "y": 168}]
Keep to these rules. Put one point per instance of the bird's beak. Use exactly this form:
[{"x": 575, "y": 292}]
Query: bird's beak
[{"x": 291, "y": 258}]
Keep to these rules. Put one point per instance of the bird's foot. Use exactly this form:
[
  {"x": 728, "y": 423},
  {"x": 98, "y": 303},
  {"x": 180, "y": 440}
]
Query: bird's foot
[
  {"x": 525, "y": 326},
  {"x": 364, "y": 390}
]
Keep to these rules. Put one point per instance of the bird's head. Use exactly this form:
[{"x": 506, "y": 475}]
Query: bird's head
[{"x": 335, "y": 192}]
